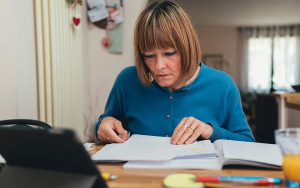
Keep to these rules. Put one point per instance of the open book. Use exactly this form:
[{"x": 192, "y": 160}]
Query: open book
[
  {"x": 152, "y": 152},
  {"x": 230, "y": 153}
]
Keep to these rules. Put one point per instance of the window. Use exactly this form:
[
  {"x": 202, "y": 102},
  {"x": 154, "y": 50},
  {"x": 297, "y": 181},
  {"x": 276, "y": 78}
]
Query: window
[
  {"x": 259, "y": 54},
  {"x": 285, "y": 61},
  {"x": 283, "y": 51}
]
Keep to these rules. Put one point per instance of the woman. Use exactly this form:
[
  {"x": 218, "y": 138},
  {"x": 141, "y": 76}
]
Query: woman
[{"x": 170, "y": 92}]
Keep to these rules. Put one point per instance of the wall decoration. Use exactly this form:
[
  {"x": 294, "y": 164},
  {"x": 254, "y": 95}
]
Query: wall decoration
[
  {"x": 117, "y": 44},
  {"x": 108, "y": 15},
  {"x": 97, "y": 10},
  {"x": 76, "y": 17},
  {"x": 106, "y": 41},
  {"x": 75, "y": 2},
  {"x": 215, "y": 61}
]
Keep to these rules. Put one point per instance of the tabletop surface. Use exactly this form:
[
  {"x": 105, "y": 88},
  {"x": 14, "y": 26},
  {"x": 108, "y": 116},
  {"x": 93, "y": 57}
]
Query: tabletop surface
[{"x": 154, "y": 178}]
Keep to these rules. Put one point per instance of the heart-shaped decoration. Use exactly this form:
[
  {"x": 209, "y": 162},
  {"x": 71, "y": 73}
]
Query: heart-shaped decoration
[
  {"x": 76, "y": 21},
  {"x": 106, "y": 41}
]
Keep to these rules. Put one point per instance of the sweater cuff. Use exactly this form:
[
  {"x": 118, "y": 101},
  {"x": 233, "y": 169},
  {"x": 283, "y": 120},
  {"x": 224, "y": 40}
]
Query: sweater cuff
[
  {"x": 217, "y": 133},
  {"x": 96, "y": 128}
]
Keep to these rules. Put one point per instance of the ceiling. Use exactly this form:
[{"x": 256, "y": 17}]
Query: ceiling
[{"x": 241, "y": 12}]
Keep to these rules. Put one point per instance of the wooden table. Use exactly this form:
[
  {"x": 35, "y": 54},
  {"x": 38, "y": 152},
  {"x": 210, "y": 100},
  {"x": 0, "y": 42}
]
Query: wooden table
[{"x": 154, "y": 178}]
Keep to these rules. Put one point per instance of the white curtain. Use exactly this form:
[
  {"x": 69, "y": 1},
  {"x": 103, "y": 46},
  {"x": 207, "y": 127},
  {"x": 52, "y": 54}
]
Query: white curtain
[{"x": 262, "y": 45}]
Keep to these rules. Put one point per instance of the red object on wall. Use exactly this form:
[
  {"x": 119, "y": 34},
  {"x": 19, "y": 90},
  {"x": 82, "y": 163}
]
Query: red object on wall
[{"x": 76, "y": 21}]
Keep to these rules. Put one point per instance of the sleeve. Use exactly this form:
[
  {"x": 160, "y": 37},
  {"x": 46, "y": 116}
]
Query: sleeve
[
  {"x": 114, "y": 106},
  {"x": 235, "y": 126}
]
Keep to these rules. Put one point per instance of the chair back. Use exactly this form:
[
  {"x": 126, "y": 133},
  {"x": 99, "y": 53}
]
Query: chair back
[{"x": 24, "y": 124}]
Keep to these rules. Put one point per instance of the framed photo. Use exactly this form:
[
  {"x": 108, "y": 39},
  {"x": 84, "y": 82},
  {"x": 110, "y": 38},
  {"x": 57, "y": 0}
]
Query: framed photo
[{"x": 214, "y": 60}]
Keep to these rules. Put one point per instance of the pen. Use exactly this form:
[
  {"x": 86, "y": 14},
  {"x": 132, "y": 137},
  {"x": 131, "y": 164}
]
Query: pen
[
  {"x": 238, "y": 179},
  {"x": 108, "y": 176}
]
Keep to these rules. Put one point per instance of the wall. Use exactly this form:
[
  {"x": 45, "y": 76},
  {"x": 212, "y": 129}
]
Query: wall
[
  {"x": 221, "y": 40},
  {"x": 17, "y": 60},
  {"x": 224, "y": 40},
  {"x": 100, "y": 67},
  {"x": 8, "y": 105}
]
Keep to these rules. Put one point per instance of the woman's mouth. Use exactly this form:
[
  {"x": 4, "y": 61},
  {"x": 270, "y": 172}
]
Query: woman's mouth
[{"x": 162, "y": 75}]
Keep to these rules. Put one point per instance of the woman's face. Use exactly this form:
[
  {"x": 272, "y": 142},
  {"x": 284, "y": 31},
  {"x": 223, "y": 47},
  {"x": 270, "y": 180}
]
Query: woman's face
[{"x": 164, "y": 65}]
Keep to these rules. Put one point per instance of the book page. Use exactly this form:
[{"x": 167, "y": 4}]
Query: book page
[
  {"x": 141, "y": 147},
  {"x": 200, "y": 155},
  {"x": 87, "y": 146},
  {"x": 255, "y": 152},
  {"x": 218, "y": 145},
  {"x": 207, "y": 164},
  {"x": 197, "y": 150}
]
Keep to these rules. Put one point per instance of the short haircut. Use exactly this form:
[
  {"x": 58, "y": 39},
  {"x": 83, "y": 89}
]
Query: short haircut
[{"x": 165, "y": 25}]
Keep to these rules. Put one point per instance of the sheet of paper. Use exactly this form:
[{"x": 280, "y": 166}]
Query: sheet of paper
[
  {"x": 94, "y": 4},
  {"x": 141, "y": 147},
  {"x": 87, "y": 146},
  {"x": 208, "y": 164},
  {"x": 2, "y": 160},
  {"x": 98, "y": 14},
  {"x": 258, "y": 152},
  {"x": 112, "y": 3},
  {"x": 197, "y": 150}
]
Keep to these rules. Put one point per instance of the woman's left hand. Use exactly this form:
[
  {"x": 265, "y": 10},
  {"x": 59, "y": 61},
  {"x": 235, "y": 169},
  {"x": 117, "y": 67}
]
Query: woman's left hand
[{"x": 189, "y": 129}]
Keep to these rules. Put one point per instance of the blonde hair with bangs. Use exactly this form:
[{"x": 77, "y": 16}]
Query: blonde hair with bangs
[{"x": 165, "y": 25}]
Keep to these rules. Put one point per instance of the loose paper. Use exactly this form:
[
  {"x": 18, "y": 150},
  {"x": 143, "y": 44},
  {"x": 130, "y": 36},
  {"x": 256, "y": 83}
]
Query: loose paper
[
  {"x": 141, "y": 147},
  {"x": 2, "y": 160},
  {"x": 98, "y": 14},
  {"x": 87, "y": 146}
]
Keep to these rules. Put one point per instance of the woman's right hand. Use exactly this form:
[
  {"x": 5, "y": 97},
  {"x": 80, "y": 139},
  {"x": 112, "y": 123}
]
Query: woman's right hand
[{"x": 107, "y": 131}]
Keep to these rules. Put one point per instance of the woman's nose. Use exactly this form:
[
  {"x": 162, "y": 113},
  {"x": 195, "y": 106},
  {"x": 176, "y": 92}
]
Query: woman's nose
[{"x": 160, "y": 63}]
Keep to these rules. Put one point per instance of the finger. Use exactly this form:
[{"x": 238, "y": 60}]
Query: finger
[
  {"x": 197, "y": 132},
  {"x": 182, "y": 130},
  {"x": 119, "y": 128},
  {"x": 113, "y": 137},
  {"x": 188, "y": 133},
  {"x": 178, "y": 133},
  {"x": 178, "y": 126},
  {"x": 103, "y": 137},
  {"x": 124, "y": 137}
]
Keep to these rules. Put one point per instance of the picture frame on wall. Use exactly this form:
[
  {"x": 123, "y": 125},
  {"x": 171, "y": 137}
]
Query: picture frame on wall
[{"x": 215, "y": 61}]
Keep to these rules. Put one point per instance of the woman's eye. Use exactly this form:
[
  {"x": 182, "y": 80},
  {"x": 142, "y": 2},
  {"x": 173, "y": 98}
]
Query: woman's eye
[
  {"x": 149, "y": 56},
  {"x": 169, "y": 53}
]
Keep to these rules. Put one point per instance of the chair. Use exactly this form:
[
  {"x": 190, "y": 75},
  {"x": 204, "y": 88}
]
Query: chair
[
  {"x": 24, "y": 124},
  {"x": 266, "y": 118}
]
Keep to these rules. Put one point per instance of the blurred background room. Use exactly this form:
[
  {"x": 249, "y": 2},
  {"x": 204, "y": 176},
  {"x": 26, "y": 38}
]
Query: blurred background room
[{"x": 57, "y": 64}]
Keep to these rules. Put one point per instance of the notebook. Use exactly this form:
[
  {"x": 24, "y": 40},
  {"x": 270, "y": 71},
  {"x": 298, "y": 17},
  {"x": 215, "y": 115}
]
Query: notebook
[
  {"x": 46, "y": 158},
  {"x": 230, "y": 153}
]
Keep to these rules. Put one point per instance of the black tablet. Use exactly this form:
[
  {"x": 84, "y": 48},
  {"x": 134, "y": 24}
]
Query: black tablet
[{"x": 52, "y": 150}]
